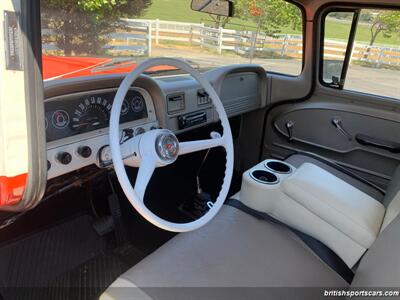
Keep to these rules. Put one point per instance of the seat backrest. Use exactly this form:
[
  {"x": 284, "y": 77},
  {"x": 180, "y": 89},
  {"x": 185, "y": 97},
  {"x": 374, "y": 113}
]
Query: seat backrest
[
  {"x": 380, "y": 266},
  {"x": 392, "y": 200}
]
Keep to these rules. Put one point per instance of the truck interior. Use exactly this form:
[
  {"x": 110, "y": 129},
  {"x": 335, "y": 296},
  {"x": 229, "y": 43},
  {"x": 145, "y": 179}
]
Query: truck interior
[{"x": 201, "y": 149}]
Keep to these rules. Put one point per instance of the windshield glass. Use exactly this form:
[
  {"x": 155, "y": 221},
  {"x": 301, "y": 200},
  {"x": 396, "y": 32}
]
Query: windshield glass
[{"x": 96, "y": 37}]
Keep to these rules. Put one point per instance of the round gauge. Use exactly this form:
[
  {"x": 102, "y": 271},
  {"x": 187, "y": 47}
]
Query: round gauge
[
  {"x": 137, "y": 104},
  {"x": 91, "y": 114},
  {"x": 60, "y": 119},
  {"x": 125, "y": 107}
]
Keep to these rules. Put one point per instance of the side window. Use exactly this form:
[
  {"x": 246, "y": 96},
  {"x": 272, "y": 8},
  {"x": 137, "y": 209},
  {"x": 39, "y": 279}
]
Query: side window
[
  {"x": 337, "y": 28},
  {"x": 374, "y": 56}
]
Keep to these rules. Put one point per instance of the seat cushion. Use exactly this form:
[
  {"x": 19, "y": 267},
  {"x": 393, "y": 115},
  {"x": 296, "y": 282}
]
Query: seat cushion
[
  {"x": 297, "y": 160},
  {"x": 330, "y": 210},
  {"x": 233, "y": 250}
]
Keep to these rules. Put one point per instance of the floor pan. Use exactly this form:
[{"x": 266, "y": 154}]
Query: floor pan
[{"x": 68, "y": 261}]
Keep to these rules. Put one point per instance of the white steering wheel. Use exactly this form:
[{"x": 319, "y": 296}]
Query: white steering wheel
[{"x": 160, "y": 147}]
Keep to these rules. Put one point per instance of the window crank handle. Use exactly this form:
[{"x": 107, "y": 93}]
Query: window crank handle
[
  {"x": 289, "y": 127},
  {"x": 339, "y": 126}
]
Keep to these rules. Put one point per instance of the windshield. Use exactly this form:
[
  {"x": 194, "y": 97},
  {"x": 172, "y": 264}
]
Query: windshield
[{"x": 97, "y": 37}]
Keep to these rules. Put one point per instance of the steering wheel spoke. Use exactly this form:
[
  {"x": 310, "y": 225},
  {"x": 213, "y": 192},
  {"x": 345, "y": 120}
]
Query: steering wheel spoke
[
  {"x": 194, "y": 146},
  {"x": 146, "y": 170}
]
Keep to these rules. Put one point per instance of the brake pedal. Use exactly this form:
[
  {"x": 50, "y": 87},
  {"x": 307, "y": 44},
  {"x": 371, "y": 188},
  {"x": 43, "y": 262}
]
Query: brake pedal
[{"x": 104, "y": 225}]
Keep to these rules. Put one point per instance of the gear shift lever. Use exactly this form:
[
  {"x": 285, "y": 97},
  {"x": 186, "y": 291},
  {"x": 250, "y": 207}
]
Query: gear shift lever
[
  {"x": 202, "y": 201},
  {"x": 213, "y": 135}
]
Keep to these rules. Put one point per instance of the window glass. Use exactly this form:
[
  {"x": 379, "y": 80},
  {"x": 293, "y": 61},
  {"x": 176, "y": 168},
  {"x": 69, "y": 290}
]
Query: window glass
[
  {"x": 375, "y": 62},
  {"x": 374, "y": 65},
  {"x": 93, "y": 37},
  {"x": 337, "y": 31}
]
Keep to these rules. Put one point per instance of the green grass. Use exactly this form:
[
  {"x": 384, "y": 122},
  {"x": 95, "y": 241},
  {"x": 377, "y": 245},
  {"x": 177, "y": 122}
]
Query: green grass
[
  {"x": 340, "y": 31},
  {"x": 173, "y": 10},
  {"x": 179, "y": 10}
]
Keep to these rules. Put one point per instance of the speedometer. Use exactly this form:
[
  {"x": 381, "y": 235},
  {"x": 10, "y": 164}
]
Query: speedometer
[{"x": 90, "y": 114}]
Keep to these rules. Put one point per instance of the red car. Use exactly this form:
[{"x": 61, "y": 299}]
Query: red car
[{"x": 58, "y": 67}]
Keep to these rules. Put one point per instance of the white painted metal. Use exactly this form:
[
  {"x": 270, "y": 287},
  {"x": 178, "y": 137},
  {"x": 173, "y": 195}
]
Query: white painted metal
[
  {"x": 96, "y": 139},
  {"x": 13, "y": 115}
]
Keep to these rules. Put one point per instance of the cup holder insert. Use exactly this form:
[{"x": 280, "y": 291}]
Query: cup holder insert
[
  {"x": 264, "y": 176},
  {"x": 278, "y": 167}
]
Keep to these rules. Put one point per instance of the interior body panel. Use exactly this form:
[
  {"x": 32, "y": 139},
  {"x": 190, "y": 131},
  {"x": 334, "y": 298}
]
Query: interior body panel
[
  {"x": 334, "y": 123},
  {"x": 356, "y": 116}
]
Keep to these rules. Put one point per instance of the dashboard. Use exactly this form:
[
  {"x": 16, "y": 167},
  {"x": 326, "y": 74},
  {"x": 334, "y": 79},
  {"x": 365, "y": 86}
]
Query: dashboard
[{"x": 77, "y": 110}]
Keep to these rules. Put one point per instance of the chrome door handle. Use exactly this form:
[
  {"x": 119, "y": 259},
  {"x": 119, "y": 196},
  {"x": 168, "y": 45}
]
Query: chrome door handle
[{"x": 337, "y": 122}]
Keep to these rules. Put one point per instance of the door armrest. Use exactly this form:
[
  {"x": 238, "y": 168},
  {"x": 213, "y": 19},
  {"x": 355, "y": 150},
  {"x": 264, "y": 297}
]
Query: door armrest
[{"x": 367, "y": 140}]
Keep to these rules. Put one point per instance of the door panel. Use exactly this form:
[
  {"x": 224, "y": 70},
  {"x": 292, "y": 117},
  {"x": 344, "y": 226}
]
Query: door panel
[{"x": 314, "y": 130}]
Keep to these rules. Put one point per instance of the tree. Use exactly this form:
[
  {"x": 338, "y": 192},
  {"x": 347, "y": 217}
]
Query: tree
[
  {"x": 271, "y": 15},
  {"x": 386, "y": 22},
  {"x": 83, "y": 26},
  {"x": 219, "y": 21}
]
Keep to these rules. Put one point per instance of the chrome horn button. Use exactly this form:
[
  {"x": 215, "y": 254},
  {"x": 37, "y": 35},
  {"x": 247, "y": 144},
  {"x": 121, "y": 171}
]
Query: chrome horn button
[{"x": 167, "y": 147}]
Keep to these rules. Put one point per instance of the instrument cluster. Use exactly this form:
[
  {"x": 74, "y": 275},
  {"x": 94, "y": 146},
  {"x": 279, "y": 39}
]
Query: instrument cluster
[{"x": 81, "y": 113}]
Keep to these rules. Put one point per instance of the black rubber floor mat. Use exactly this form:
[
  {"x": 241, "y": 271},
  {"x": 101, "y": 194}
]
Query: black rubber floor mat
[
  {"x": 69, "y": 261},
  {"x": 85, "y": 282},
  {"x": 89, "y": 280},
  {"x": 35, "y": 259}
]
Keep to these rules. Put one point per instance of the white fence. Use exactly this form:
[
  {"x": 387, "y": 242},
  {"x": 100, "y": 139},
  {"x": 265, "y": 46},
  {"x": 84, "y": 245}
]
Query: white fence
[
  {"x": 144, "y": 34},
  {"x": 377, "y": 55},
  {"x": 218, "y": 39}
]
